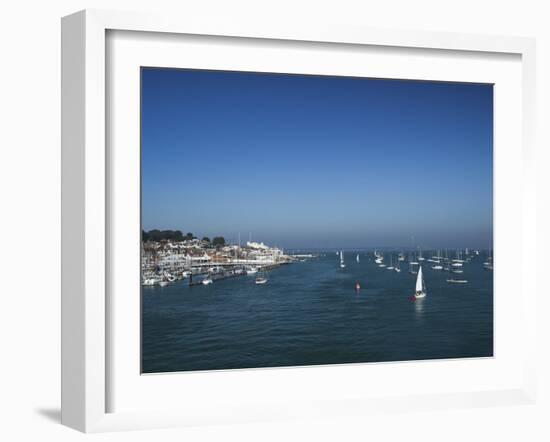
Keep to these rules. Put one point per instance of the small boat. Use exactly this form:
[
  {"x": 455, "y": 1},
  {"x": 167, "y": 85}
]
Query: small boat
[
  {"x": 390, "y": 267},
  {"x": 420, "y": 285},
  {"x": 342, "y": 265},
  {"x": 437, "y": 267},
  {"x": 150, "y": 282},
  {"x": 207, "y": 280},
  {"x": 261, "y": 278},
  {"x": 357, "y": 258},
  {"x": 357, "y": 286},
  {"x": 251, "y": 270},
  {"x": 168, "y": 277},
  {"x": 163, "y": 283},
  {"x": 457, "y": 281},
  {"x": 398, "y": 267}
]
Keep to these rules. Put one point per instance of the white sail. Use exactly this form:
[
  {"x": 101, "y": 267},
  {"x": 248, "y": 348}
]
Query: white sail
[
  {"x": 419, "y": 281},
  {"x": 357, "y": 257}
]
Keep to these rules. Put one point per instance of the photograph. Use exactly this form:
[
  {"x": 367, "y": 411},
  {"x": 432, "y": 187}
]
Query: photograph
[{"x": 292, "y": 220}]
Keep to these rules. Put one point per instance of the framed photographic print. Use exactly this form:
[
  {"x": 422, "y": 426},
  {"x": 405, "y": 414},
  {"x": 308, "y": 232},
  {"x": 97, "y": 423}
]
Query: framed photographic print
[{"x": 262, "y": 223}]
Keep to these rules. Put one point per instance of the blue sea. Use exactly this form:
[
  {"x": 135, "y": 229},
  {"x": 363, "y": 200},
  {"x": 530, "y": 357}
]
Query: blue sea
[{"x": 310, "y": 313}]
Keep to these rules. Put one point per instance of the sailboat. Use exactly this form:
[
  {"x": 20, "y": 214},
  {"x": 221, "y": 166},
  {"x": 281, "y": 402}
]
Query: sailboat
[
  {"x": 208, "y": 280},
  {"x": 488, "y": 265},
  {"x": 398, "y": 267},
  {"x": 357, "y": 258},
  {"x": 342, "y": 265},
  {"x": 457, "y": 281},
  {"x": 262, "y": 277},
  {"x": 420, "y": 285},
  {"x": 390, "y": 267}
]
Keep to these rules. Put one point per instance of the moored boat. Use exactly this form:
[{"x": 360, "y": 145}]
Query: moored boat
[{"x": 457, "y": 281}]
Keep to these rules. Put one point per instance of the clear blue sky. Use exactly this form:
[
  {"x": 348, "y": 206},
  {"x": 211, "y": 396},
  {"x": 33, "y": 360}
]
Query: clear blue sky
[{"x": 316, "y": 161}]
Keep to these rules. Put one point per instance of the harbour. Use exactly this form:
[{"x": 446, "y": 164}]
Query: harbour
[
  {"x": 312, "y": 311},
  {"x": 367, "y": 211}
]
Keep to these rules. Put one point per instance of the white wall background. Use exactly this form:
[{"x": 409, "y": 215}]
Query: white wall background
[{"x": 30, "y": 216}]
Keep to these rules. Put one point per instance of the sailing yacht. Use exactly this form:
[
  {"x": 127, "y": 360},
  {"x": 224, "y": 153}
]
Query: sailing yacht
[
  {"x": 457, "y": 281},
  {"x": 398, "y": 267},
  {"x": 420, "y": 285},
  {"x": 390, "y": 267},
  {"x": 262, "y": 277},
  {"x": 207, "y": 280},
  {"x": 251, "y": 270},
  {"x": 488, "y": 265},
  {"x": 342, "y": 265}
]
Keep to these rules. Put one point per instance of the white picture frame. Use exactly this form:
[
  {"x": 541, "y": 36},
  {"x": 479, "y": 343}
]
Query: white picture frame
[{"x": 85, "y": 209}]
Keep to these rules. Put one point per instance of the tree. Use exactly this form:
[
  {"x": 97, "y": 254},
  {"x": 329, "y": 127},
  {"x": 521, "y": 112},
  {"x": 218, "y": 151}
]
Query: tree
[
  {"x": 189, "y": 236},
  {"x": 218, "y": 241},
  {"x": 206, "y": 239},
  {"x": 158, "y": 235}
]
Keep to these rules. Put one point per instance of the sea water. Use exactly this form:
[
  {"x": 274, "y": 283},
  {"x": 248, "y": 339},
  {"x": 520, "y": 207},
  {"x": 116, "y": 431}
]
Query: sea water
[{"x": 310, "y": 313}]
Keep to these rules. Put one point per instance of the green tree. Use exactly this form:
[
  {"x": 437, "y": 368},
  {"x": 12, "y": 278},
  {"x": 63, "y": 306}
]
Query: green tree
[{"x": 218, "y": 241}]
